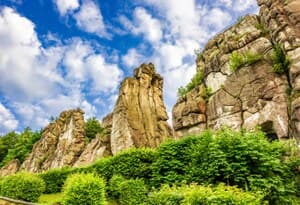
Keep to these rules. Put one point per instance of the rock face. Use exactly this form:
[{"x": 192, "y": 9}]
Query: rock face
[
  {"x": 10, "y": 168},
  {"x": 99, "y": 147},
  {"x": 253, "y": 94},
  {"x": 139, "y": 118},
  {"x": 61, "y": 143}
]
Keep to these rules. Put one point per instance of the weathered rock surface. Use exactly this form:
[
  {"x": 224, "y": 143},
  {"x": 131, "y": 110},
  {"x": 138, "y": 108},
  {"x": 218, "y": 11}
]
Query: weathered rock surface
[
  {"x": 139, "y": 117},
  {"x": 99, "y": 147},
  {"x": 10, "y": 168},
  {"x": 252, "y": 95},
  {"x": 61, "y": 143},
  {"x": 282, "y": 19}
]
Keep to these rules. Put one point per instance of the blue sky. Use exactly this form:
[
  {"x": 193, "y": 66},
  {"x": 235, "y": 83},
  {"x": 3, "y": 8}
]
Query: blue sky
[{"x": 62, "y": 54}]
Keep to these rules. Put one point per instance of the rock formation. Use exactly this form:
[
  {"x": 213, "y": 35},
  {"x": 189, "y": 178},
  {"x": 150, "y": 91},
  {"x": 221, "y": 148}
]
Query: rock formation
[
  {"x": 10, "y": 168},
  {"x": 61, "y": 143},
  {"x": 253, "y": 94},
  {"x": 99, "y": 147},
  {"x": 139, "y": 118}
]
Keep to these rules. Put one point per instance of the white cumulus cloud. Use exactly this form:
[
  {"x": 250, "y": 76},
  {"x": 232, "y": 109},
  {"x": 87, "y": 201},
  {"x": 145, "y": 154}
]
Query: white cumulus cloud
[
  {"x": 89, "y": 19},
  {"x": 8, "y": 121},
  {"x": 64, "y": 6}
]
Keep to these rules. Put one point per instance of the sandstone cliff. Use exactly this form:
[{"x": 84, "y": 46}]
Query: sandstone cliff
[
  {"x": 99, "y": 147},
  {"x": 61, "y": 143},
  {"x": 139, "y": 117},
  {"x": 253, "y": 94}
]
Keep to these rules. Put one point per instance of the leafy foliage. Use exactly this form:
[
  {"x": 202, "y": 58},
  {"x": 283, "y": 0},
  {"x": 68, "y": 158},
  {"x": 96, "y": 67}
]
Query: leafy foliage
[
  {"x": 238, "y": 60},
  {"x": 280, "y": 63},
  {"x": 7, "y": 142},
  {"x": 84, "y": 189},
  {"x": 133, "y": 192},
  {"x": 114, "y": 186},
  {"x": 93, "y": 127},
  {"x": 55, "y": 179},
  {"x": 19, "y": 146},
  {"x": 195, "y": 81},
  {"x": 132, "y": 163},
  {"x": 195, "y": 194},
  {"x": 245, "y": 159},
  {"x": 22, "y": 186}
]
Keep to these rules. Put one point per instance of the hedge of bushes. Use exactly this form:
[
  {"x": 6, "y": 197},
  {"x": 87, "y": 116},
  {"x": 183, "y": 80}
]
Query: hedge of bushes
[
  {"x": 55, "y": 179},
  {"x": 247, "y": 160},
  {"x": 86, "y": 189},
  {"x": 194, "y": 194},
  {"x": 22, "y": 186}
]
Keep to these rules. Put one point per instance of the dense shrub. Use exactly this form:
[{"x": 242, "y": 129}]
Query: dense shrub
[
  {"x": 132, "y": 163},
  {"x": 133, "y": 192},
  {"x": 114, "y": 186},
  {"x": 245, "y": 159},
  {"x": 22, "y": 186},
  {"x": 238, "y": 60},
  {"x": 84, "y": 189},
  {"x": 55, "y": 179},
  {"x": 194, "y": 194},
  {"x": 173, "y": 161},
  {"x": 280, "y": 62},
  {"x": 93, "y": 127}
]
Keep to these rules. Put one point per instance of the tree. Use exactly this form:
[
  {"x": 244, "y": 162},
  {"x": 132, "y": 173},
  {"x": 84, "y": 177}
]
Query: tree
[{"x": 93, "y": 127}]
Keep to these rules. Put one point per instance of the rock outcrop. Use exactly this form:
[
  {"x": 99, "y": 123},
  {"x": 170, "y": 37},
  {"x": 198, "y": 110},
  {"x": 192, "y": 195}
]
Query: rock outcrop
[
  {"x": 253, "y": 95},
  {"x": 10, "y": 168},
  {"x": 99, "y": 147},
  {"x": 61, "y": 144},
  {"x": 139, "y": 118}
]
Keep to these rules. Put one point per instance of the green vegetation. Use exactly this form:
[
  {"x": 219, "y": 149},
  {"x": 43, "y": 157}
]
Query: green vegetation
[
  {"x": 222, "y": 167},
  {"x": 86, "y": 189},
  {"x": 280, "y": 63},
  {"x": 92, "y": 128},
  {"x": 260, "y": 26},
  {"x": 238, "y": 60},
  {"x": 22, "y": 186},
  {"x": 17, "y": 146},
  {"x": 195, "y": 81},
  {"x": 133, "y": 192},
  {"x": 195, "y": 194},
  {"x": 55, "y": 179},
  {"x": 50, "y": 199}
]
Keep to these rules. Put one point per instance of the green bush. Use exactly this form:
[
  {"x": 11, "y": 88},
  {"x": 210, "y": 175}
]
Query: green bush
[
  {"x": 195, "y": 194},
  {"x": 173, "y": 161},
  {"x": 55, "y": 179},
  {"x": 238, "y": 60},
  {"x": 195, "y": 81},
  {"x": 114, "y": 186},
  {"x": 280, "y": 63},
  {"x": 132, "y": 163},
  {"x": 93, "y": 127},
  {"x": 22, "y": 186},
  {"x": 84, "y": 189},
  {"x": 245, "y": 159},
  {"x": 133, "y": 192}
]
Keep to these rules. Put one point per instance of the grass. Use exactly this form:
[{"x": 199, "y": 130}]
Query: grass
[
  {"x": 238, "y": 60},
  {"x": 49, "y": 199}
]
